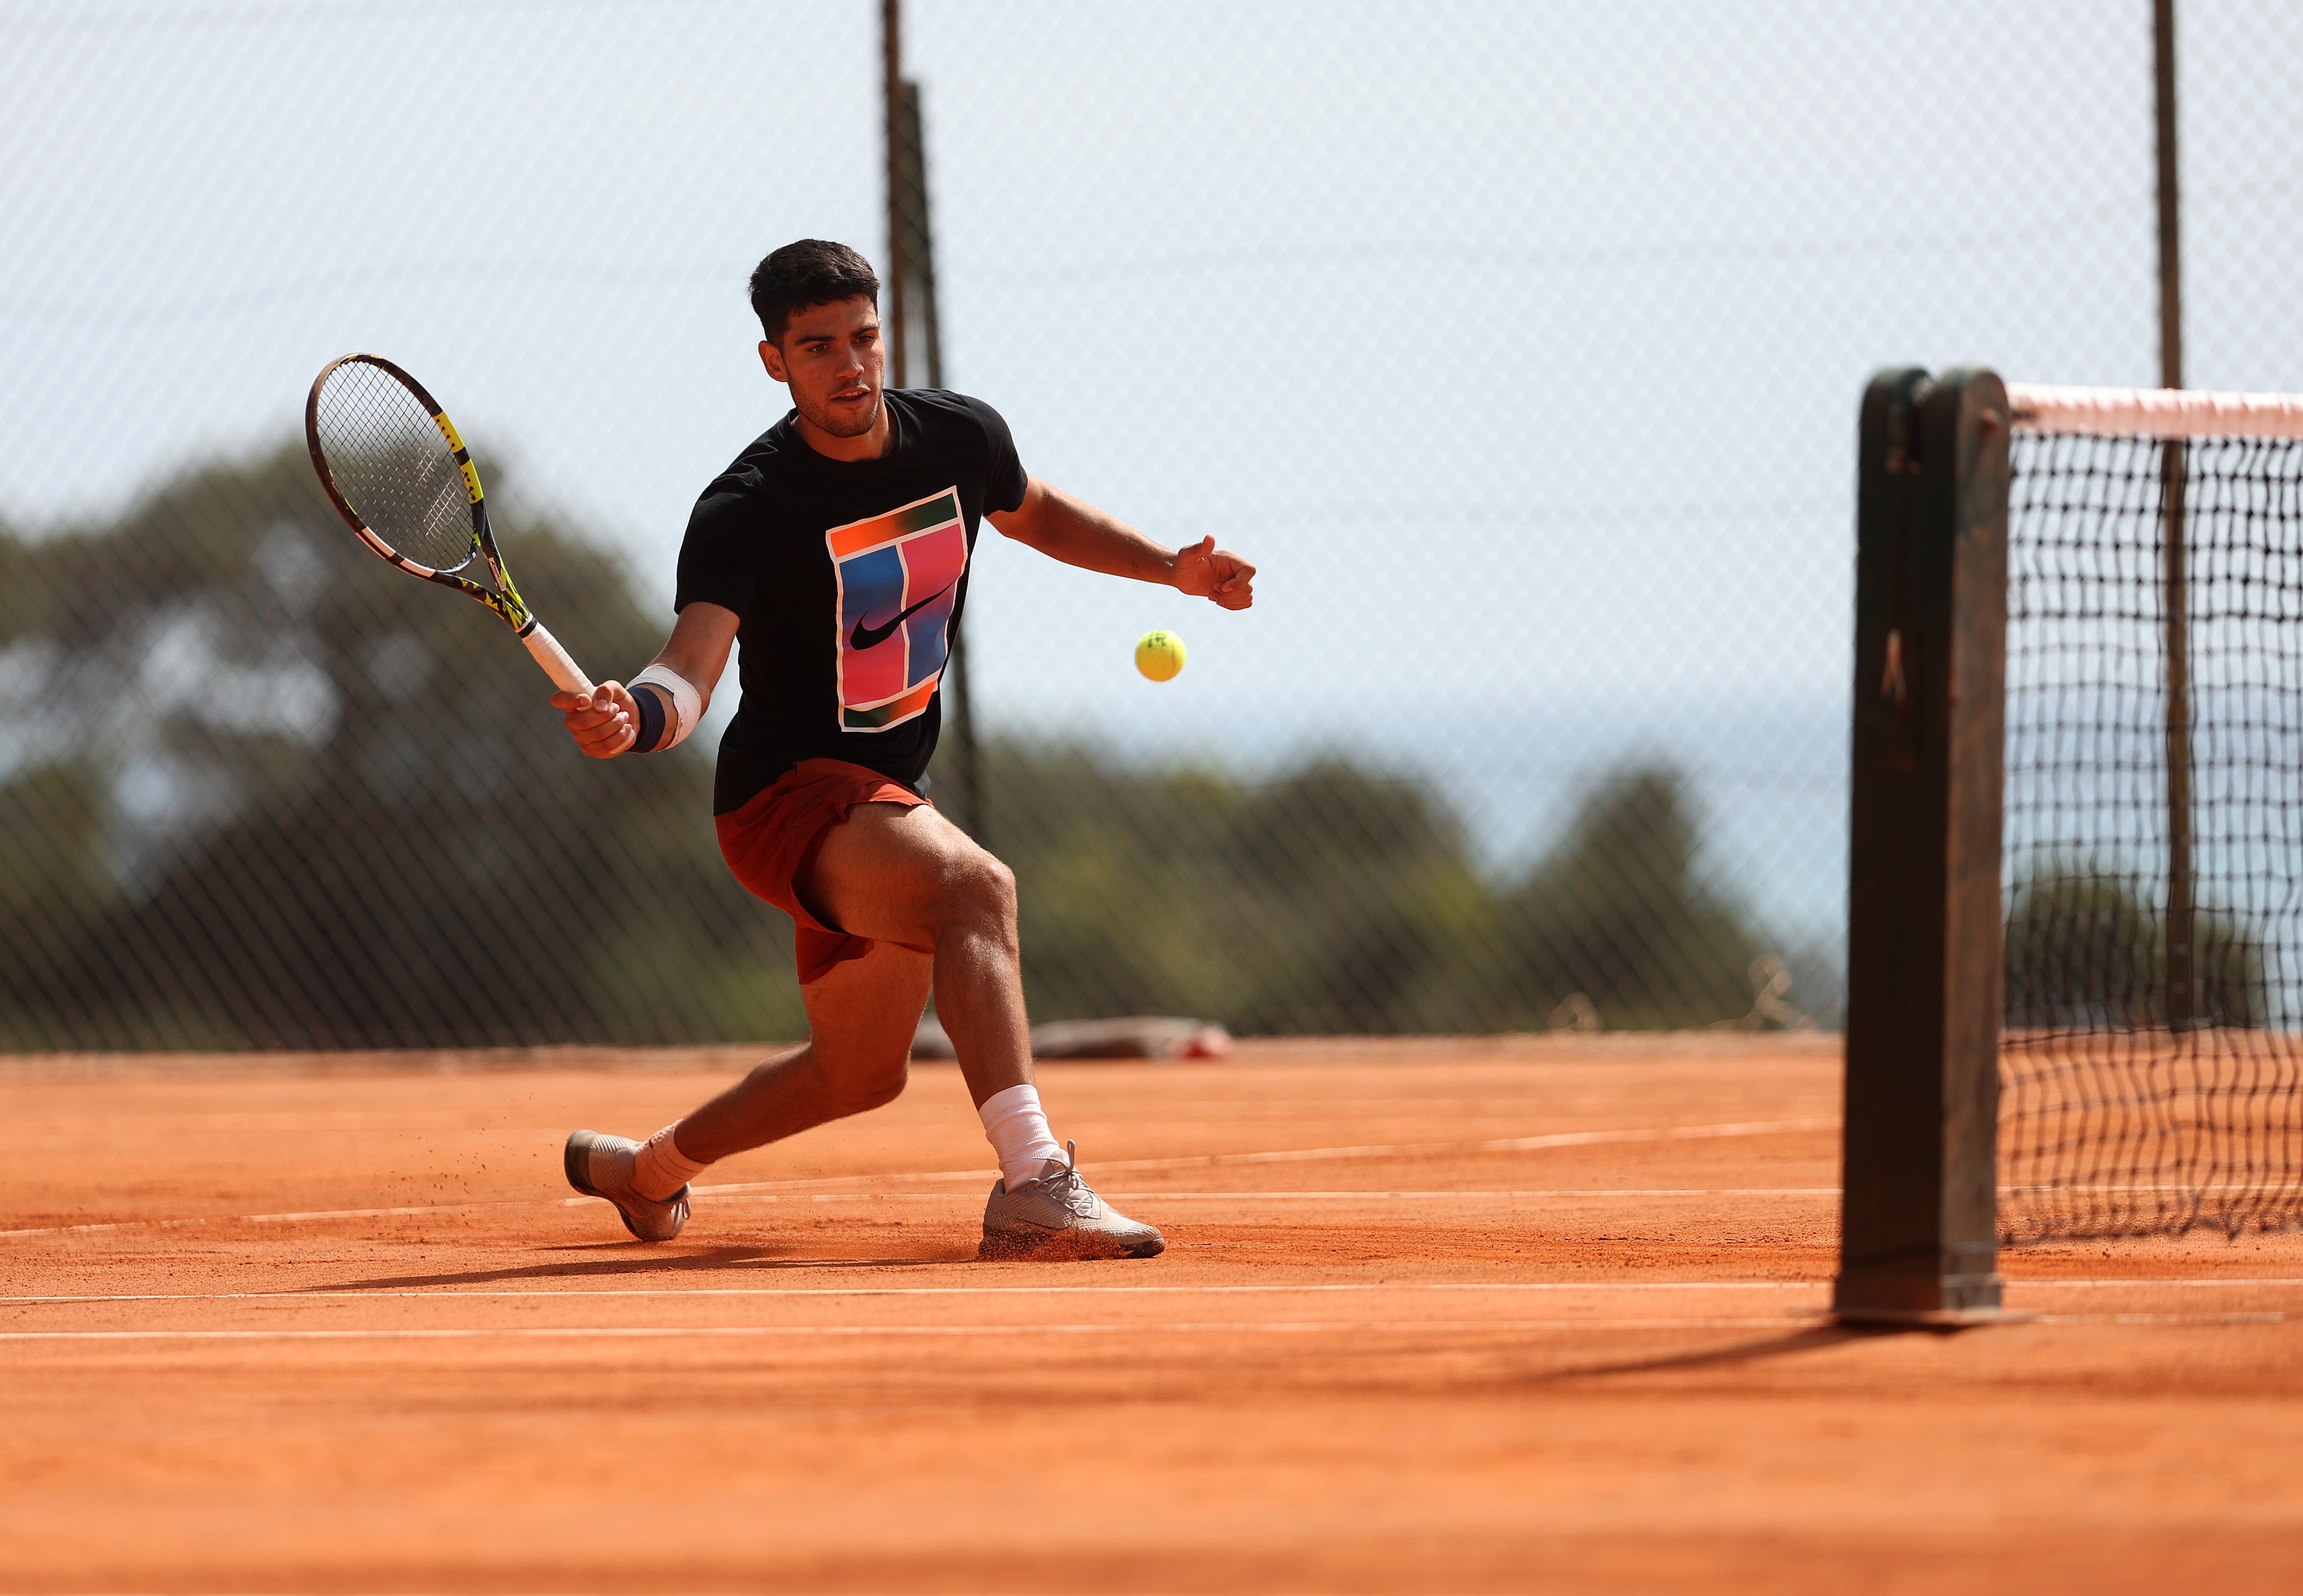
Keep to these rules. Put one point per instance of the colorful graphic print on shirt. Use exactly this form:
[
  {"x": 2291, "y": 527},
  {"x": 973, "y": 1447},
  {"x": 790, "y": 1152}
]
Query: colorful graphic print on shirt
[{"x": 897, "y": 580}]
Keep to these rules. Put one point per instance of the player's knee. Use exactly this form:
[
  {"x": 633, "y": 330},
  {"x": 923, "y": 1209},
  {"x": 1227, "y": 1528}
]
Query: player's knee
[
  {"x": 873, "y": 1086},
  {"x": 983, "y": 891}
]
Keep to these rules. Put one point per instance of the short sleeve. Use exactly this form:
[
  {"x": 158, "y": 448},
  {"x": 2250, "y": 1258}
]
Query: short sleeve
[
  {"x": 718, "y": 562},
  {"x": 1005, "y": 483}
]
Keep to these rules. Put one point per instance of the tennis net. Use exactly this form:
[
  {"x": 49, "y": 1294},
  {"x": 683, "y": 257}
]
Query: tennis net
[{"x": 2151, "y": 1062}]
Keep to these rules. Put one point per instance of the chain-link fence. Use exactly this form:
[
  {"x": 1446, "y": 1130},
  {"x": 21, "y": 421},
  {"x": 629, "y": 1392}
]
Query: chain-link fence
[{"x": 1518, "y": 344}]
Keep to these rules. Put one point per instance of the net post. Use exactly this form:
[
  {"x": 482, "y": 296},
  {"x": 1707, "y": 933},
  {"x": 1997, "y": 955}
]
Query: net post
[{"x": 1919, "y": 1239}]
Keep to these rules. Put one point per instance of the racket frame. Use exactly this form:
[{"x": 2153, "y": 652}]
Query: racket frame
[{"x": 505, "y": 600}]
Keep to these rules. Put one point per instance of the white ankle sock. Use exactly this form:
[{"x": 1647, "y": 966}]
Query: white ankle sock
[
  {"x": 660, "y": 1168},
  {"x": 1016, "y": 1127}
]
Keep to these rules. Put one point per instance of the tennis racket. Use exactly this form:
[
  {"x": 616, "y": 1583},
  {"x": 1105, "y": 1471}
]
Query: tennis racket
[{"x": 396, "y": 471}]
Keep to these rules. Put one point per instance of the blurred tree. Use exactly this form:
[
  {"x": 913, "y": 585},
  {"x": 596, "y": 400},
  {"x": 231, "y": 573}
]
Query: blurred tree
[
  {"x": 266, "y": 792},
  {"x": 1618, "y": 914},
  {"x": 258, "y": 789},
  {"x": 2086, "y": 950},
  {"x": 1346, "y": 876},
  {"x": 1335, "y": 898}
]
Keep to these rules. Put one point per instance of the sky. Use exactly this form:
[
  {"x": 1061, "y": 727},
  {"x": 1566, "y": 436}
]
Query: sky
[{"x": 1518, "y": 344}]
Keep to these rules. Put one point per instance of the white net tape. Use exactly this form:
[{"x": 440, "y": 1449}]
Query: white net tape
[{"x": 2154, "y": 412}]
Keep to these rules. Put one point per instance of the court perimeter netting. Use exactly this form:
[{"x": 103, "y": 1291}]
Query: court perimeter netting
[{"x": 2151, "y": 1068}]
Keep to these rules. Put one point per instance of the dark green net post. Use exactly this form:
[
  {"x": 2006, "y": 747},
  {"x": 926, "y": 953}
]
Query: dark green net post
[{"x": 1919, "y": 1234}]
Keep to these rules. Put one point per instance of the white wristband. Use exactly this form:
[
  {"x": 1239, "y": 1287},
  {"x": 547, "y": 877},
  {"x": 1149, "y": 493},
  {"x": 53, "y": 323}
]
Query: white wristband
[{"x": 686, "y": 703}]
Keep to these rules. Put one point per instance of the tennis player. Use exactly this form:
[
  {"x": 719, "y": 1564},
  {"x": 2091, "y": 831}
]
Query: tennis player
[{"x": 860, "y": 508}]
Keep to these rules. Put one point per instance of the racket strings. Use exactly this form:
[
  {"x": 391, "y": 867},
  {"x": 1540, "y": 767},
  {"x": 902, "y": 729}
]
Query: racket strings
[{"x": 393, "y": 467}]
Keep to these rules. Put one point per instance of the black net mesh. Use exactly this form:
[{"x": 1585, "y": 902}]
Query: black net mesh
[
  {"x": 2151, "y": 1062},
  {"x": 394, "y": 466}
]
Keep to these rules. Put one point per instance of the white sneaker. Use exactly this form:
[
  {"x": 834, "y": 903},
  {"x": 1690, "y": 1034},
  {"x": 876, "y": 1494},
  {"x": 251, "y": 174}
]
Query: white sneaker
[
  {"x": 1057, "y": 1215},
  {"x": 601, "y": 1165}
]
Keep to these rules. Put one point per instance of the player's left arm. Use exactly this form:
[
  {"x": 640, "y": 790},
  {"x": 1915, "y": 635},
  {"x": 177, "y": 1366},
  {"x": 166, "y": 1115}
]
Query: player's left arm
[{"x": 1064, "y": 526}]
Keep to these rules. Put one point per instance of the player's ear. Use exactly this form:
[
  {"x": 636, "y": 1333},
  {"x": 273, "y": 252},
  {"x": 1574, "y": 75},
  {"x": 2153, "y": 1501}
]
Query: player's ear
[{"x": 773, "y": 359}]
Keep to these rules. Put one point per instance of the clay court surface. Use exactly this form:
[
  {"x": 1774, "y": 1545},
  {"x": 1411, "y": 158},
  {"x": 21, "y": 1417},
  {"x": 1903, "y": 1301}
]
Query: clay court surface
[{"x": 1534, "y": 1316}]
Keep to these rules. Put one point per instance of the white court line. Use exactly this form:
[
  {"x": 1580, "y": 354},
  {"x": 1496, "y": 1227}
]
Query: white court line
[
  {"x": 547, "y": 1295},
  {"x": 1157, "y": 1195},
  {"x": 1569, "y": 1138},
  {"x": 1154, "y": 1194},
  {"x": 1574, "y": 1139},
  {"x": 2021, "y": 1287},
  {"x": 2202, "y": 1280},
  {"x": 2266, "y": 1318},
  {"x": 1229, "y": 1328},
  {"x": 282, "y": 1219},
  {"x": 666, "y": 1332}
]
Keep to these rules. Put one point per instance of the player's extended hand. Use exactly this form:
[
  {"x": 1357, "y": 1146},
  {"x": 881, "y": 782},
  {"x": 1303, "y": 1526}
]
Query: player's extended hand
[
  {"x": 604, "y": 723},
  {"x": 1206, "y": 571}
]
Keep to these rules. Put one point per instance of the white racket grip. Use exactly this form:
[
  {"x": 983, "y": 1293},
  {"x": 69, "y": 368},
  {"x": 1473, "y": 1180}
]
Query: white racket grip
[{"x": 564, "y": 672}]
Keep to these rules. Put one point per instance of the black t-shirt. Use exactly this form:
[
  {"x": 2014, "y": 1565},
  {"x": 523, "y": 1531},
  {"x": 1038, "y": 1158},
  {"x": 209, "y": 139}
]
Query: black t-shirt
[{"x": 848, "y": 577}]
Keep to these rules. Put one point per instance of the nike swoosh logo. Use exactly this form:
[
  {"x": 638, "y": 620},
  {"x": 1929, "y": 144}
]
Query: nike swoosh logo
[{"x": 872, "y": 636}]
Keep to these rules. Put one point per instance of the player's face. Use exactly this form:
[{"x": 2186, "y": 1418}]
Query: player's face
[{"x": 830, "y": 357}]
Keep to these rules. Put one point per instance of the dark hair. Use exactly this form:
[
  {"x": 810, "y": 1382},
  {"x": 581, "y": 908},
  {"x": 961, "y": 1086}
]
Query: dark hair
[{"x": 811, "y": 272}]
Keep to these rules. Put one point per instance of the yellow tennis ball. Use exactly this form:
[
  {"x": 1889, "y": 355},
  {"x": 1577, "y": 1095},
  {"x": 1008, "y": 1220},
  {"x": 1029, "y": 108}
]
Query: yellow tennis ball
[{"x": 1159, "y": 655}]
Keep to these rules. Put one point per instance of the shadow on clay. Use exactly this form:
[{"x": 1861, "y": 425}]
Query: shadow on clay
[
  {"x": 624, "y": 1259},
  {"x": 1810, "y": 1339}
]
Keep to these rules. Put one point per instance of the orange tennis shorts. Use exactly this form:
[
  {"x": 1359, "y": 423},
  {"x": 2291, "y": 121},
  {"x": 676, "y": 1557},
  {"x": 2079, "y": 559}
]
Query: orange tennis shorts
[{"x": 772, "y": 840}]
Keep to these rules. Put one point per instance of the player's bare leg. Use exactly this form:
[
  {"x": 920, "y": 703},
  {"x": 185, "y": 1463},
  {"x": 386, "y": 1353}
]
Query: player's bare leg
[
  {"x": 862, "y": 1014},
  {"x": 906, "y": 874},
  {"x": 898, "y": 875},
  {"x": 906, "y": 878}
]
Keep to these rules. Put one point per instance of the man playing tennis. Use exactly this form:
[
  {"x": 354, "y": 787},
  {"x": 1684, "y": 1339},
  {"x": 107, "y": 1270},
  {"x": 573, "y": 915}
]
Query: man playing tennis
[{"x": 836, "y": 546}]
